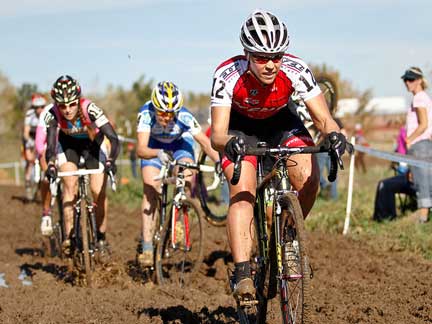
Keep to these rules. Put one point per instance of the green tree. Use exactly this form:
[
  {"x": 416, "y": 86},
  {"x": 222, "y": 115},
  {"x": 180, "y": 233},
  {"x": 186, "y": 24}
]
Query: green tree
[{"x": 7, "y": 99}]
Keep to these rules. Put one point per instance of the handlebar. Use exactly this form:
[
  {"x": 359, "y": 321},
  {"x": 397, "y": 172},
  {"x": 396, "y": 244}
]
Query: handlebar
[
  {"x": 82, "y": 172},
  {"x": 187, "y": 165},
  {"x": 335, "y": 160}
]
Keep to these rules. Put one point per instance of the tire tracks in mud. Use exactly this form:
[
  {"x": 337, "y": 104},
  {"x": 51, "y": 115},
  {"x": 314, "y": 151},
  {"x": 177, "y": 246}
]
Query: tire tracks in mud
[{"x": 352, "y": 283}]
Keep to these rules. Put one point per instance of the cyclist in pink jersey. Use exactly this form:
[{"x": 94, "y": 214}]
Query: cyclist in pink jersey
[
  {"x": 249, "y": 101},
  {"x": 80, "y": 127},
  {"x": 419, "y": 144},
  {"x": 40, "y": 145}
]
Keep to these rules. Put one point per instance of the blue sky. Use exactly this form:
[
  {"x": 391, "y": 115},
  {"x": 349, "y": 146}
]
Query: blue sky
[{"x": 371, "y": 42}]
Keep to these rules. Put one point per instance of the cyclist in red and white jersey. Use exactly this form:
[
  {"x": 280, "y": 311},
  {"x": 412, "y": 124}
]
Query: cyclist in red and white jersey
[
  {"x": 79, "y": 127},
  {"x": 249, "y": 101},
  {"x": 31, "y": 120}
]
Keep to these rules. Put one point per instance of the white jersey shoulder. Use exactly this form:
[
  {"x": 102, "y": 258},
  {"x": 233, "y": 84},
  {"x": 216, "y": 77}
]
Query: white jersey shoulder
[
  {"x": 301, "y": 76},
  {"x": 225, "y": 78},
  {"x": 145, "y": 117}
]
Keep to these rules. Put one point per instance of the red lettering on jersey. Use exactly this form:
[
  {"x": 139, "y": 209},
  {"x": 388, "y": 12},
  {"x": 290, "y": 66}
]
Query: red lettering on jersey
[{"x": 255, "y": 100}]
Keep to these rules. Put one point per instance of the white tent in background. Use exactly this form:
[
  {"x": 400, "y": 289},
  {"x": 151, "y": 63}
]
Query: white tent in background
[
  {"x": 347, "y": 106},
  {"x": 387, "y": 106},
  {"x": 376, "y": 106}
]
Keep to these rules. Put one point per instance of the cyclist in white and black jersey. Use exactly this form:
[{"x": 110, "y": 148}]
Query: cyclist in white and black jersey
[
  {"x": 166, "y": 129},
  {"x": 249, "y": 101},
  {"x": 77, "y": 128},
  {"x": 31, "y": 121}
]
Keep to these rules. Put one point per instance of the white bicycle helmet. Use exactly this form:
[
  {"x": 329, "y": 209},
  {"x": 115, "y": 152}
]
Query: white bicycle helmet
[
  {"x": 37, "y": 100},
  {"x": 263, "y": 32},
  {"x": 166, "y": 97}
]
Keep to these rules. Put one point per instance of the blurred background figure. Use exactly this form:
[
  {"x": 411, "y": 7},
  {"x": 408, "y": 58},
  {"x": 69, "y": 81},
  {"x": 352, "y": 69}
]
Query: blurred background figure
[
  {"x": 401, "y": 183},
  {"x": 31, "y": 120}
]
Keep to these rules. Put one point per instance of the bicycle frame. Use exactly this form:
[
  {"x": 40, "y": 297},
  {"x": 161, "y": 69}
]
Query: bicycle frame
[
  {"x": 179, "y": 194},
  {"x": 276, "y": 183},
  {"x": 83, "y": 195}
]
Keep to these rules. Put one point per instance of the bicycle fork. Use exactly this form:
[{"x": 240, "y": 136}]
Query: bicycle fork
[{"x": 180, "y": 218}]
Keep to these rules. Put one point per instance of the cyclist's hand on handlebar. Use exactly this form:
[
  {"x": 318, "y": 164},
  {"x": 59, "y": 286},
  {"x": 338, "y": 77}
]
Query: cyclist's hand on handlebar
[
  {"x": 51, "y": 172},
  {"x": 110, "y": 166},
  {"x": 165, "y": 156},
  {"x": 234, "y": 147},
  {"x": 337, "y": 143}
]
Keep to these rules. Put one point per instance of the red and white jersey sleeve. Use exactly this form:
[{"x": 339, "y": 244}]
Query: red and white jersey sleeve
[
  {"x": 301, "y": 76},
  {"x": 236, "y": 87}
]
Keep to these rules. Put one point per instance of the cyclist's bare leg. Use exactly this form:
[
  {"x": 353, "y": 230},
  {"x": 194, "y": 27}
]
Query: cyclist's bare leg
[
  {"x": 149, "y": 201},
  {"x": 240, "y": 213},
  {"x": 304, "y": 177},
  {"x": 98, "y": 189},
  {"x": 69, "y": 195},
  {"x": 44, "y": 188}
]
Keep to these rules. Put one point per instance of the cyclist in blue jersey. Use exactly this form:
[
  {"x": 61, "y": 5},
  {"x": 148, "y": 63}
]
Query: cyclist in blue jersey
[{"x": 165, "y": 130}]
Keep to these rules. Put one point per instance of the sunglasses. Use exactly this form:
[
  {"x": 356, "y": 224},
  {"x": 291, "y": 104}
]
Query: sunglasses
[
  {"x": 38, "y": 107},
  {"x": 165, "y": 113},
  {"x": 261, "y": 59},
  {"x": 409, "y": 80},
  {"x": 71, "y": 104}
]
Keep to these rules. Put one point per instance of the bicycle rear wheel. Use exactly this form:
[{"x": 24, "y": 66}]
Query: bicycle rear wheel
[
  {"x": 179, "y": 252},
  {"x": 329, "y": 90},
  {"x": 213, "y": 196},
  {"x": 295, "y": 281}
]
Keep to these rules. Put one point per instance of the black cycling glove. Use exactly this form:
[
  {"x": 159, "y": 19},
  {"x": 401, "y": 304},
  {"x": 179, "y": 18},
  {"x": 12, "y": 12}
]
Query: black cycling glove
[
  {"x": 110, "y": 167},
  {"x": 234, "y": 147},
  {"x": 337, "y": 142},
  {"x": 51, "y": 172}
]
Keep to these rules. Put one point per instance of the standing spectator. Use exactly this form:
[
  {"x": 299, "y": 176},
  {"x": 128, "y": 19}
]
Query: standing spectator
[
  {"x": 360, "y": 140},
  {"x": 419, "y": 144}
]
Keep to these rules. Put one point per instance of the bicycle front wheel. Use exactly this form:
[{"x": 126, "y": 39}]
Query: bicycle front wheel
[
  {"x": 295, "y": 280},
  {"x": 179, "y": 251},
  {"x": 213, "y": 194},
  {"x": 87, "y": 248}
]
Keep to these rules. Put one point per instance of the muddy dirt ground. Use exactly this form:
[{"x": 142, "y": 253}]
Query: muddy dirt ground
[{"x": 352, "y": 283}]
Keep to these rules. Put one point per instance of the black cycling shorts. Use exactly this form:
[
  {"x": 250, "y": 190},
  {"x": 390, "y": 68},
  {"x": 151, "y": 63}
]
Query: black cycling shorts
[
  {"x": 284, "y": 128},
  {"x": 71, "y": 149}
]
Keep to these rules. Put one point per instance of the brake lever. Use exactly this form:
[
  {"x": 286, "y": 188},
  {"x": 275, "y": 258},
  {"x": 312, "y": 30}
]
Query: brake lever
[{"x": 340, "y": 162}]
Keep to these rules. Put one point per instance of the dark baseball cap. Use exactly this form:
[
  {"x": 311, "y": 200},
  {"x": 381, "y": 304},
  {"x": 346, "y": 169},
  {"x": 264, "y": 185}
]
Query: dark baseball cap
[{"x": 413, "y": 73}]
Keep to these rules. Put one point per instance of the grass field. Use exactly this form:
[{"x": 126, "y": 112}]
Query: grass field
[{"x": 400, "y": 234}]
